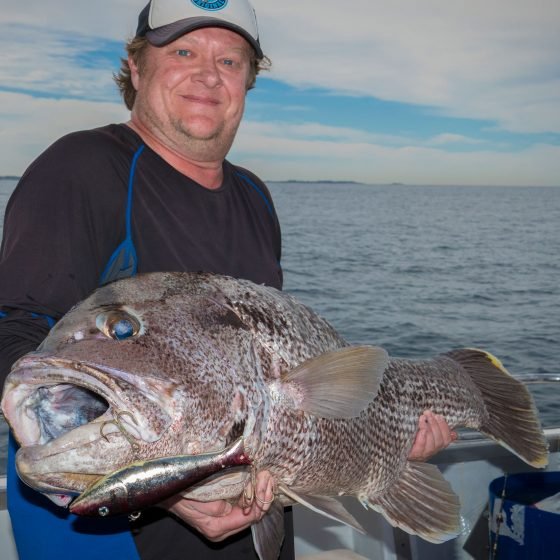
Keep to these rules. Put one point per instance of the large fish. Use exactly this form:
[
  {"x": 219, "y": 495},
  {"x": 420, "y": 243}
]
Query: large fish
[{"x": 170, "y": 364}]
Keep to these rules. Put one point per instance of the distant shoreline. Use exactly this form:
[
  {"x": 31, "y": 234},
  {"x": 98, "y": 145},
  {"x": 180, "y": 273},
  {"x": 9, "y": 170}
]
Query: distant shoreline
[
  {"x": 409, "y": 185},
  {"x": 328, "y": 182},
  {"x": 9, "y": 178}
]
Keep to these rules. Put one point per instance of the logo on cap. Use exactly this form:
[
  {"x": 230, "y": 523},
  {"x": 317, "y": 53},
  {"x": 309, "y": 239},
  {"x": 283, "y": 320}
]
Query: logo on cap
[{"x": 210, "y": 6}]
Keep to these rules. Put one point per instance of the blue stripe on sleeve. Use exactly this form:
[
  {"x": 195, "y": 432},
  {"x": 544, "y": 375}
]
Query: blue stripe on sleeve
[
  {"x": 259, "y": 190},
  {"x": 123, "y": 263},
  {"x": 50, "y": 321}
]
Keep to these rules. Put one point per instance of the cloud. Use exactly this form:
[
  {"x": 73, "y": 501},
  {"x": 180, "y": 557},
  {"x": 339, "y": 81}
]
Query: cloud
[
  {"x": 481, "y": 60},
  {"x": 107, "y": 19},
  {"x": 313, "y": 131},
  {"x": 30, "y": 124},
  {"x": 278, "y": 152},
  {"x": 57, "y": 64},
  {"x": 450, "y": 138}
]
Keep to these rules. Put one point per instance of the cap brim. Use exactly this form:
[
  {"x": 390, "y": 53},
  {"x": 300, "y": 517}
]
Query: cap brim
[{"x": 168, "y": 33}]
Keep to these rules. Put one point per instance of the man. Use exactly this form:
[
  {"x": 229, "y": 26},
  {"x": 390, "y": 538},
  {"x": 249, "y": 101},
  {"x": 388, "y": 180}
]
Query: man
[{"x": 154, "y": 194}]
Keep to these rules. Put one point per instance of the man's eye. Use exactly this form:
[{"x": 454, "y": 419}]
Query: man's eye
[
  {"x": 183, "y": 52},
  {"x": 229, "y": 62}
]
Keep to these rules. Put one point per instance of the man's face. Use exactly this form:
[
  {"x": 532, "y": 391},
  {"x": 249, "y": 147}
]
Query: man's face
[{"x": 191, "y": 93}]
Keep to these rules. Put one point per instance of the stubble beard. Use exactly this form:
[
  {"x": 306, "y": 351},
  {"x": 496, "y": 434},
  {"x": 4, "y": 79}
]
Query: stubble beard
[{"x": 209, "y": 147}]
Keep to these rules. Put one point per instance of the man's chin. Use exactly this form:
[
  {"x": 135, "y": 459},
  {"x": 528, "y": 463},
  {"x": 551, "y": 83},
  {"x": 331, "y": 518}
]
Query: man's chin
[{"x": 204, "y": 143}]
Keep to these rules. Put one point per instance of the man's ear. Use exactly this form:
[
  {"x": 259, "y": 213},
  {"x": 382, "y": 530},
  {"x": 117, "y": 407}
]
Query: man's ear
[{"x": 134, "y": 73}]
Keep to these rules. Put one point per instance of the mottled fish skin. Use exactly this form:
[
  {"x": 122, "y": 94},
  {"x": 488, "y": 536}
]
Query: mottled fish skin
[
  {"x": 212, "y": 358},
  {"x": 385, "y": 432}
]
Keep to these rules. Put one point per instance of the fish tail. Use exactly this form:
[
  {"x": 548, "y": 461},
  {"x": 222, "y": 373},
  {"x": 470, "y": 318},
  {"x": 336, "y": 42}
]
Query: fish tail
[{"x": 512, "y": 415}]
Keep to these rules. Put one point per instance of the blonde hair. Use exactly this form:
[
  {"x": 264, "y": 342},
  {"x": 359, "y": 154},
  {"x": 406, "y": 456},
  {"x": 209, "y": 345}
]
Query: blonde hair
[{"x": 136, "y": 49}]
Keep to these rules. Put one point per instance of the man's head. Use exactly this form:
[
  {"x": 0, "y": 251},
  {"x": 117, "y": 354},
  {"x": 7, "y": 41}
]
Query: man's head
[{"x": 163, "y": 21}]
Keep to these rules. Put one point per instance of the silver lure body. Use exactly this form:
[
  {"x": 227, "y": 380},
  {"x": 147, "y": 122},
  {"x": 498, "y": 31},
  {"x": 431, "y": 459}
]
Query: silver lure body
[{"x": 145, "y": 483}]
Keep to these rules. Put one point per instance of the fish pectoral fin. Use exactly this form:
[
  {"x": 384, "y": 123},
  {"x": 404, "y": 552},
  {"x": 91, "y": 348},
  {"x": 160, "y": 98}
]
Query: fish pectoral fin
[
  {"x": 268, "y": 533},
  {"x": 327, "y": 506},
  {"x": 337, "y": 384},
  {"x": 421, "y": 502}
]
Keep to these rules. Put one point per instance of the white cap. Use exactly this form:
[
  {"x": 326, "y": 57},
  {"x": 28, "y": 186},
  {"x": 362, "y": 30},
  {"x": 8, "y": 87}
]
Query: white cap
[{"x": 163, "y": 21}]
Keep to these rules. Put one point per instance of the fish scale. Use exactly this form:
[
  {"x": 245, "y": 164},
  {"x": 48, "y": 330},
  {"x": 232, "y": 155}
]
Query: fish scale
[{"x": 210, "y": 358}]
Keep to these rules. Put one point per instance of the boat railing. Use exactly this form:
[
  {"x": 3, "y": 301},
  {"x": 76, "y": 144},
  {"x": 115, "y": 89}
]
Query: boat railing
[{"x": 473, "y": 446}]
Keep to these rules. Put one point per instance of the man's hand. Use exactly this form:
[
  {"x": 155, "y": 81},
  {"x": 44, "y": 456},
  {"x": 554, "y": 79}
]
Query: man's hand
[
  {"x": 219, "y": 520},
  {"x": 432, "y": 436}
]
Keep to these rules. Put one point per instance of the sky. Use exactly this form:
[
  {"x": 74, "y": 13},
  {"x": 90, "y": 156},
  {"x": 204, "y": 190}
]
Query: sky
[{"x": 402, "y": 91}]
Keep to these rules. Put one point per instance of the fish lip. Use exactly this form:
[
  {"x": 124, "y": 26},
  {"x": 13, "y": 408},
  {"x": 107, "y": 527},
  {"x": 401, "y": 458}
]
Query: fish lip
[
  {"x": 50, "y": 484},
  {"x": 48, "y": 467},
  {"x": 123, "y": 392}
]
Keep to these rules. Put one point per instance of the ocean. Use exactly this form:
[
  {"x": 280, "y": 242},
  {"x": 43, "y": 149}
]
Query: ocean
[{"x": 421, "y": 270}]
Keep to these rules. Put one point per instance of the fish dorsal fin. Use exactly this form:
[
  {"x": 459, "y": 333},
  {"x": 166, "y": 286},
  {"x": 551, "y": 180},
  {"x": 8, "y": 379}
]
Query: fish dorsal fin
[
  {"x": 268, "y": 533},
  {"x": 337, "y": 384},
  {"x": 327, "y": 506},
  {"x": 420, "y": 502}
]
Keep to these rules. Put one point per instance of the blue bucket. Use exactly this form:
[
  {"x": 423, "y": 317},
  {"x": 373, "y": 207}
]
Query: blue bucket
[{"x": 523, "y": 531}]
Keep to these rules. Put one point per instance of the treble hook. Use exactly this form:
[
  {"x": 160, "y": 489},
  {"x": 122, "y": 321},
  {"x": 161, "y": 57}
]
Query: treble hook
[{"x": 120, "y": 427}]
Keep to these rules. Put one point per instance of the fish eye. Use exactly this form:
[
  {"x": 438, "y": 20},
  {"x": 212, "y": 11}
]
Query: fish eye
[
  {"x": 122, "y": 329},
  {"x": 118, "y": 325}
]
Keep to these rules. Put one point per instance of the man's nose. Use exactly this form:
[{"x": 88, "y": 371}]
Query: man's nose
[{"x": 208, "y": 72}]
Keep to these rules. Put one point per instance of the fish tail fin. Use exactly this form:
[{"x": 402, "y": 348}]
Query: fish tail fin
[{"x": 512, "y": 415}]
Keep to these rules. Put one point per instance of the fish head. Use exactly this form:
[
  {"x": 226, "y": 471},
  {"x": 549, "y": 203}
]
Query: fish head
[{"x": 142, "y": 368}]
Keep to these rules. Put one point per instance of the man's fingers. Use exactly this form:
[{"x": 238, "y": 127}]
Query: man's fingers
[
  {"x": 259, "y": 492},
  {"x": 436, "y": 432},
  {"x": 419, "y": 444},
  {"x": 432, "y": 436},
  {"x": 264, "y": 492},
  {"x": 264, "y": 497},
  {"x": 447, "y": 434}
]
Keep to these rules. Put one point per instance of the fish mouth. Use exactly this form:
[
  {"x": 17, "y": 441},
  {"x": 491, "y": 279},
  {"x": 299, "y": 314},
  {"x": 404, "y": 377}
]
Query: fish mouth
[{"x": 77, "y": 421}]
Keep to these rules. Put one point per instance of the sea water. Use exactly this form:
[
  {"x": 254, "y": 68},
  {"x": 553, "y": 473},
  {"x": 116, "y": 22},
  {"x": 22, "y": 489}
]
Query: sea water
[{"x": 421, "y": 270}]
